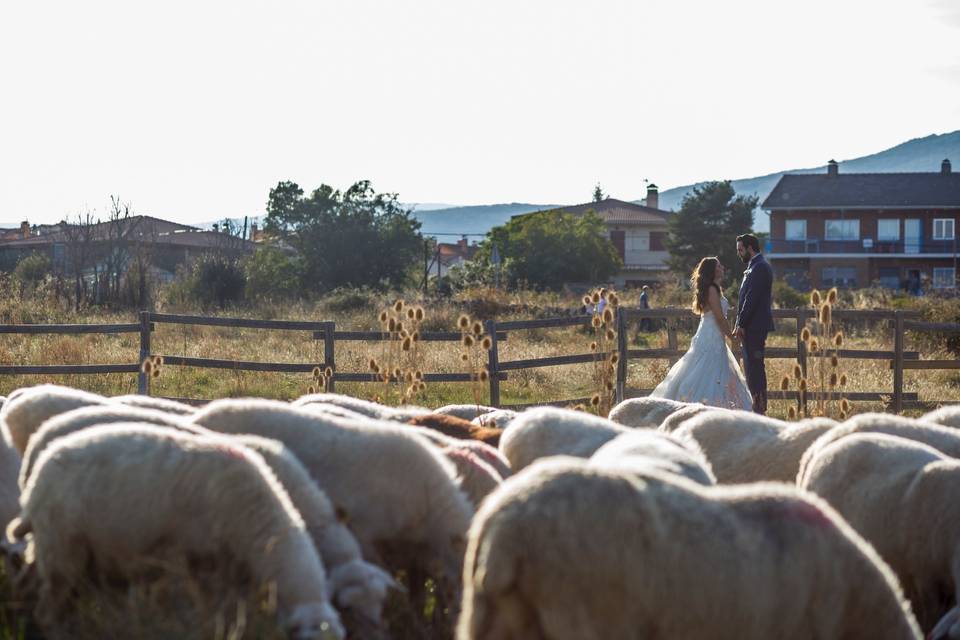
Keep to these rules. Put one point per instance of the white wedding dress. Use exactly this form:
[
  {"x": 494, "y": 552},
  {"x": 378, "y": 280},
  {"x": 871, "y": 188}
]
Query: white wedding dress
[{"x": 708, "y": 372}]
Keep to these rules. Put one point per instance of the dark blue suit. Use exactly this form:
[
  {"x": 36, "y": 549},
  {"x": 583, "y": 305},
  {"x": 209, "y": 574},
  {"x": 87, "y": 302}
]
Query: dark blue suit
[{"x": 755, "y": 317}]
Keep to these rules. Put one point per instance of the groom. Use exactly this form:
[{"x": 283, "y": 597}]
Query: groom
[{"x": 754, "y": 318}]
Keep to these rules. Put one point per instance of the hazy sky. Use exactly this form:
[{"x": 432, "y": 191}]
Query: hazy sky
[{"x": 192, "y": 111}]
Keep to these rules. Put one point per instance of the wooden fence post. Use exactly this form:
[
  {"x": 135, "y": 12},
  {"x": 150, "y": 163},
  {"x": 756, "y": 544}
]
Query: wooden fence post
[
  {"x": 143, "y": 380},
  {"x": 672, "y": 339},
  {"x": 622, "y": 352},
  {"x": 329, "y": 352},
  {"x": 493, "y": 364},
  {"x": 897, "y": 361}
]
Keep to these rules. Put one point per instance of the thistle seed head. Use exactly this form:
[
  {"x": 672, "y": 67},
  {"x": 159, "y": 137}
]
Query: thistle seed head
[
  {"x": 486, "y": 343},
  {"x": 843, "y": 379},
  {"x": 833, "y": 380},
  {"x": 464, "y": 357},
  {"x": 614, "y": 358},
  {"x": 328, "y": 372},
  {"x": 784, "y": 383},
  {"x": 792, "y": 413},
  {"x": 407, "y": 343},
  {"x": 803, "y": 384},
  {"x": 484, "y": 375},
  {"x": 797, "y": 371},
  {"x": 158, "y": 361},
  {"x": 398, "y": 305},
  {"x": 595, "y": 400},
  {"x": 420, "y": 314},
  {"x": 607, "y": 315},
  {"x": 845, "y": 405},
  {"x": 147, "y": 366},
  {"x": 611, "y": 334},
  {"x": 383, "y": 316},
  {"x": 373, "y": 365},
  {"x": 587, "y": 301},
  {"x": 316, "y": 372},
  {"x": 463, "y": 321},
  {"x": 814, "y": 298},
  {"x": 468, "y": 340},
  {"x": 805, "y": 334},
  {"x": 826, "y": 313},
  {"x": 411, "y": 313},
  {"x": 416, "y": 336},
  {"x": 155, "y": 373},
  {"x": 595, "y": 298},
  {"x": 311, "y": 390},
  {"x": 834, "y": 361},
  {"x": 609, "y": 385},
  {"x": 477, "y": 328},
  {"x": 832, "y": 295},
  {"x": 593, "y": 346},
  {"x": 596, "y": 322},
  {"x": 838, "y": 339}
]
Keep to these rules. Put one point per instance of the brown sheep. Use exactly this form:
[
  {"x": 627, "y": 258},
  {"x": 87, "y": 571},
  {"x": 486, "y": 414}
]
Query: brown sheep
[{"x": 458, "y": 428}]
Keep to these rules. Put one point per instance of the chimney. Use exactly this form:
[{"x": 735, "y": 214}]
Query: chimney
[
  {"x": 945, "y": 167},
  {"x": 253, "y": 231},
  {"x": 653, "y": 196},
  {"x": 462, "y": 243},
  {"x": 833, "y": 168},
  {"x": 25, "y": 229}
]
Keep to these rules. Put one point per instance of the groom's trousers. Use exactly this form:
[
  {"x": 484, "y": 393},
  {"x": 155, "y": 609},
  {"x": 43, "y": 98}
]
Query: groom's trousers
[{"x": 754, "y": 344}]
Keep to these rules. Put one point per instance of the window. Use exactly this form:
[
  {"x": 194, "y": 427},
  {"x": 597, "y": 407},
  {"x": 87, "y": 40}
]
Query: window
[
  {"x": 839, "y": 276},
  {"x": 889, "y": 277},
  {"x": 842, "y": 230},
  {"x": 796, "y": 229},
  {"x": 637, "y": 242},
  {"x": 796, "y": 277},
  {"x": 656, "y": 240},
  {"x": 944, "y": 277},
  {"x": 943, "y": 229},
  {"x": 888, "y": 229}
]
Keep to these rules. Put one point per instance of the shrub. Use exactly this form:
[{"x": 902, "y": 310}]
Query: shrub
[
  {"x": 210, "y": 280},
  {"x": 32, "y": 269},
  {"x": 786, "y": 297},
  {"x": 346, "y": 299},
  {"x": 272, "y": 274}
]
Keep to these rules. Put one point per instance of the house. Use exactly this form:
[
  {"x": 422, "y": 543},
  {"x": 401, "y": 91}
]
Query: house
[
  {"x": 897, "y": 230},
  {"x": 163, "y": 243},
  {"x": 637, "y": 231},
  {"x": 449, "y": 255}
]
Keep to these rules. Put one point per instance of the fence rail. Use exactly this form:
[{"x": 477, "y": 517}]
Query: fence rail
[{"x": 897, "y": 321}]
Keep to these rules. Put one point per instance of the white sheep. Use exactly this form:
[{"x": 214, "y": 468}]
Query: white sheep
[
  {"x": 676, "y": 419},
  {"x": 948, "y": 416},
  {"x": 391, "y": 485},
  {"x": 569, "y": 551},
  {"x": 152, "y": 402},
  {"x": 746, "y": 447},
  {"x": 465, "y": 411},
  {"x": 548, "y": 431},
  {"x": 499, "y": 418},
  {"x": 123, "y": 497},
  {"x": 355, "y": 583},
  {"x": 366, "y": 407},
  {"x": 902, "y": 497},
  {"x": 651, "y": 449},
  {"x": 646, "y": 412},
  {"x": 75, "y": 420},
  {"x": 943, "y": 439},
  {"x": 9, "y": 489},
  {"x": 27, "y": 408}
]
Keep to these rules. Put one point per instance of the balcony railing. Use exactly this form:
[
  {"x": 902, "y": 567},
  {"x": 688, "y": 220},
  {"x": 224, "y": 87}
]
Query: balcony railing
[{"x": 861, "y": 246}]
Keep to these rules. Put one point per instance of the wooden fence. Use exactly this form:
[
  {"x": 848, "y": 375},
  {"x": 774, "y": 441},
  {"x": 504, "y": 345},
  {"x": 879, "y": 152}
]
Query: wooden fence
[{"x": 898, "y": 321}]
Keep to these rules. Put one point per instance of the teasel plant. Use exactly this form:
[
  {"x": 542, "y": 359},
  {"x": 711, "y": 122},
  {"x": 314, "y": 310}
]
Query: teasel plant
[
  {"x": 400, "y": 362},
  {"x": 474, "y": 347},
  {"x": 603, "y": 341},
  {"x": 152, "y": 366},
  {"x": 320, "y": 380},
  {"x": 823, "y": 345}
]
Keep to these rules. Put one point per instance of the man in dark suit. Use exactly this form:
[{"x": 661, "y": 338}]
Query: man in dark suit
[
  {"x": 754, "y": 317},
  {"x": 645, "y": 324}
]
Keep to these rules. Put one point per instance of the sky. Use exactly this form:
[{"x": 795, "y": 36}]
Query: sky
[{"x": 193, "y": 110}]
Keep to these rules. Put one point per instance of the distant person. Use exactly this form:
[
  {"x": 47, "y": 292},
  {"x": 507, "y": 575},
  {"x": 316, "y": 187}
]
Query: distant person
[
  {"x": 754, "y": 317},
  {"x": 645, "y": 324},
  {"x": 603, "y": 301}
]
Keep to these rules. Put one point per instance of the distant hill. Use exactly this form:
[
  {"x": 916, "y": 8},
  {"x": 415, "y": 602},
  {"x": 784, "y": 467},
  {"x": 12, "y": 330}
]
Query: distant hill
[
  {"x": 918, "y": 155},
  {"x": 921, "y": 154}
]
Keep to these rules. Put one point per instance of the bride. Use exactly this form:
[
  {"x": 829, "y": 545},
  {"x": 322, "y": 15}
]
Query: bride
[{"x": 708, "y": 372}]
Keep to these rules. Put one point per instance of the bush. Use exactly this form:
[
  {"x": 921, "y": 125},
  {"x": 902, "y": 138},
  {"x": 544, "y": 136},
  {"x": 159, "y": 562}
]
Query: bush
[
  {"x": 271, "y": 274},
  {"x": 32, "y": 269},
  {"x": 208, "y": 281},
  {"x": 345, "y": 299},
  {"x": 786, "y": 297}
]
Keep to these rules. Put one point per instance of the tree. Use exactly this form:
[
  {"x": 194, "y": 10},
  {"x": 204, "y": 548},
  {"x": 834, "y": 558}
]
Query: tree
[
  {"x": 598, "y": 193},
  {"x": 707, "y": 224},
  {"x": 549, "y": 248},
  {"x": 353, "y": 238}
]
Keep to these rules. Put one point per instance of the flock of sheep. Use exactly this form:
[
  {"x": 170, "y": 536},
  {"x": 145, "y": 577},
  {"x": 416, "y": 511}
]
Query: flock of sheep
[{"x": 666, "y": 520}]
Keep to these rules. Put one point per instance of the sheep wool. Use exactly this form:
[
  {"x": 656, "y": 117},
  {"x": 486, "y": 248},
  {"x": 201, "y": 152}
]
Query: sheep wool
[
  {"x": 121, "y": 488},
  {"x": 676, "y": 419},
  {"x": 152, "y": 402},
  {"x": 9, "y": 488},
  {"x": 85, "y": 417},
  {"x": 464, "y": 411},
  {"x": 390, "y": 484},
  {"x": 645, "y": 413},
  {"x": 763, "y": 561},
  {"x": 901, "y": 496},
  {"x": 548, "y": 431},
  {"x": 365, "y": 407},
  {"x": 943, "y": 439},
  {"x": 948, "y": 416},
  {"x": 742, "y": 446},
  {"x": 644, "y": 449},
  {"x": 27, "y": 408}
]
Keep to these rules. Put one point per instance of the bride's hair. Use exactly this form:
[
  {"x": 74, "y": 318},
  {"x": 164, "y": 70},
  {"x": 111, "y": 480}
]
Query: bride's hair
[{"x": 701, "y": 280}]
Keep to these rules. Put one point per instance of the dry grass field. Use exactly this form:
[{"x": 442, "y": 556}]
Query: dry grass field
[{"x": 359, "y": 312}]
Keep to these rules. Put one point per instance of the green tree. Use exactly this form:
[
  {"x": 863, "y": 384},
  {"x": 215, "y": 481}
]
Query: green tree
[
  {"x": 271, "y": 274},
  {"x": 707, "y": 224},
  {"x": 598, "y": 193},
  {"x": 352, "y": 238},
  {"x": 548, "y": 248}
]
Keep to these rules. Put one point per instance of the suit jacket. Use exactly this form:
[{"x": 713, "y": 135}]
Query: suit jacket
[
  {"x": 644, "y": 302},
  {"x": 754, "y": 313}
]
